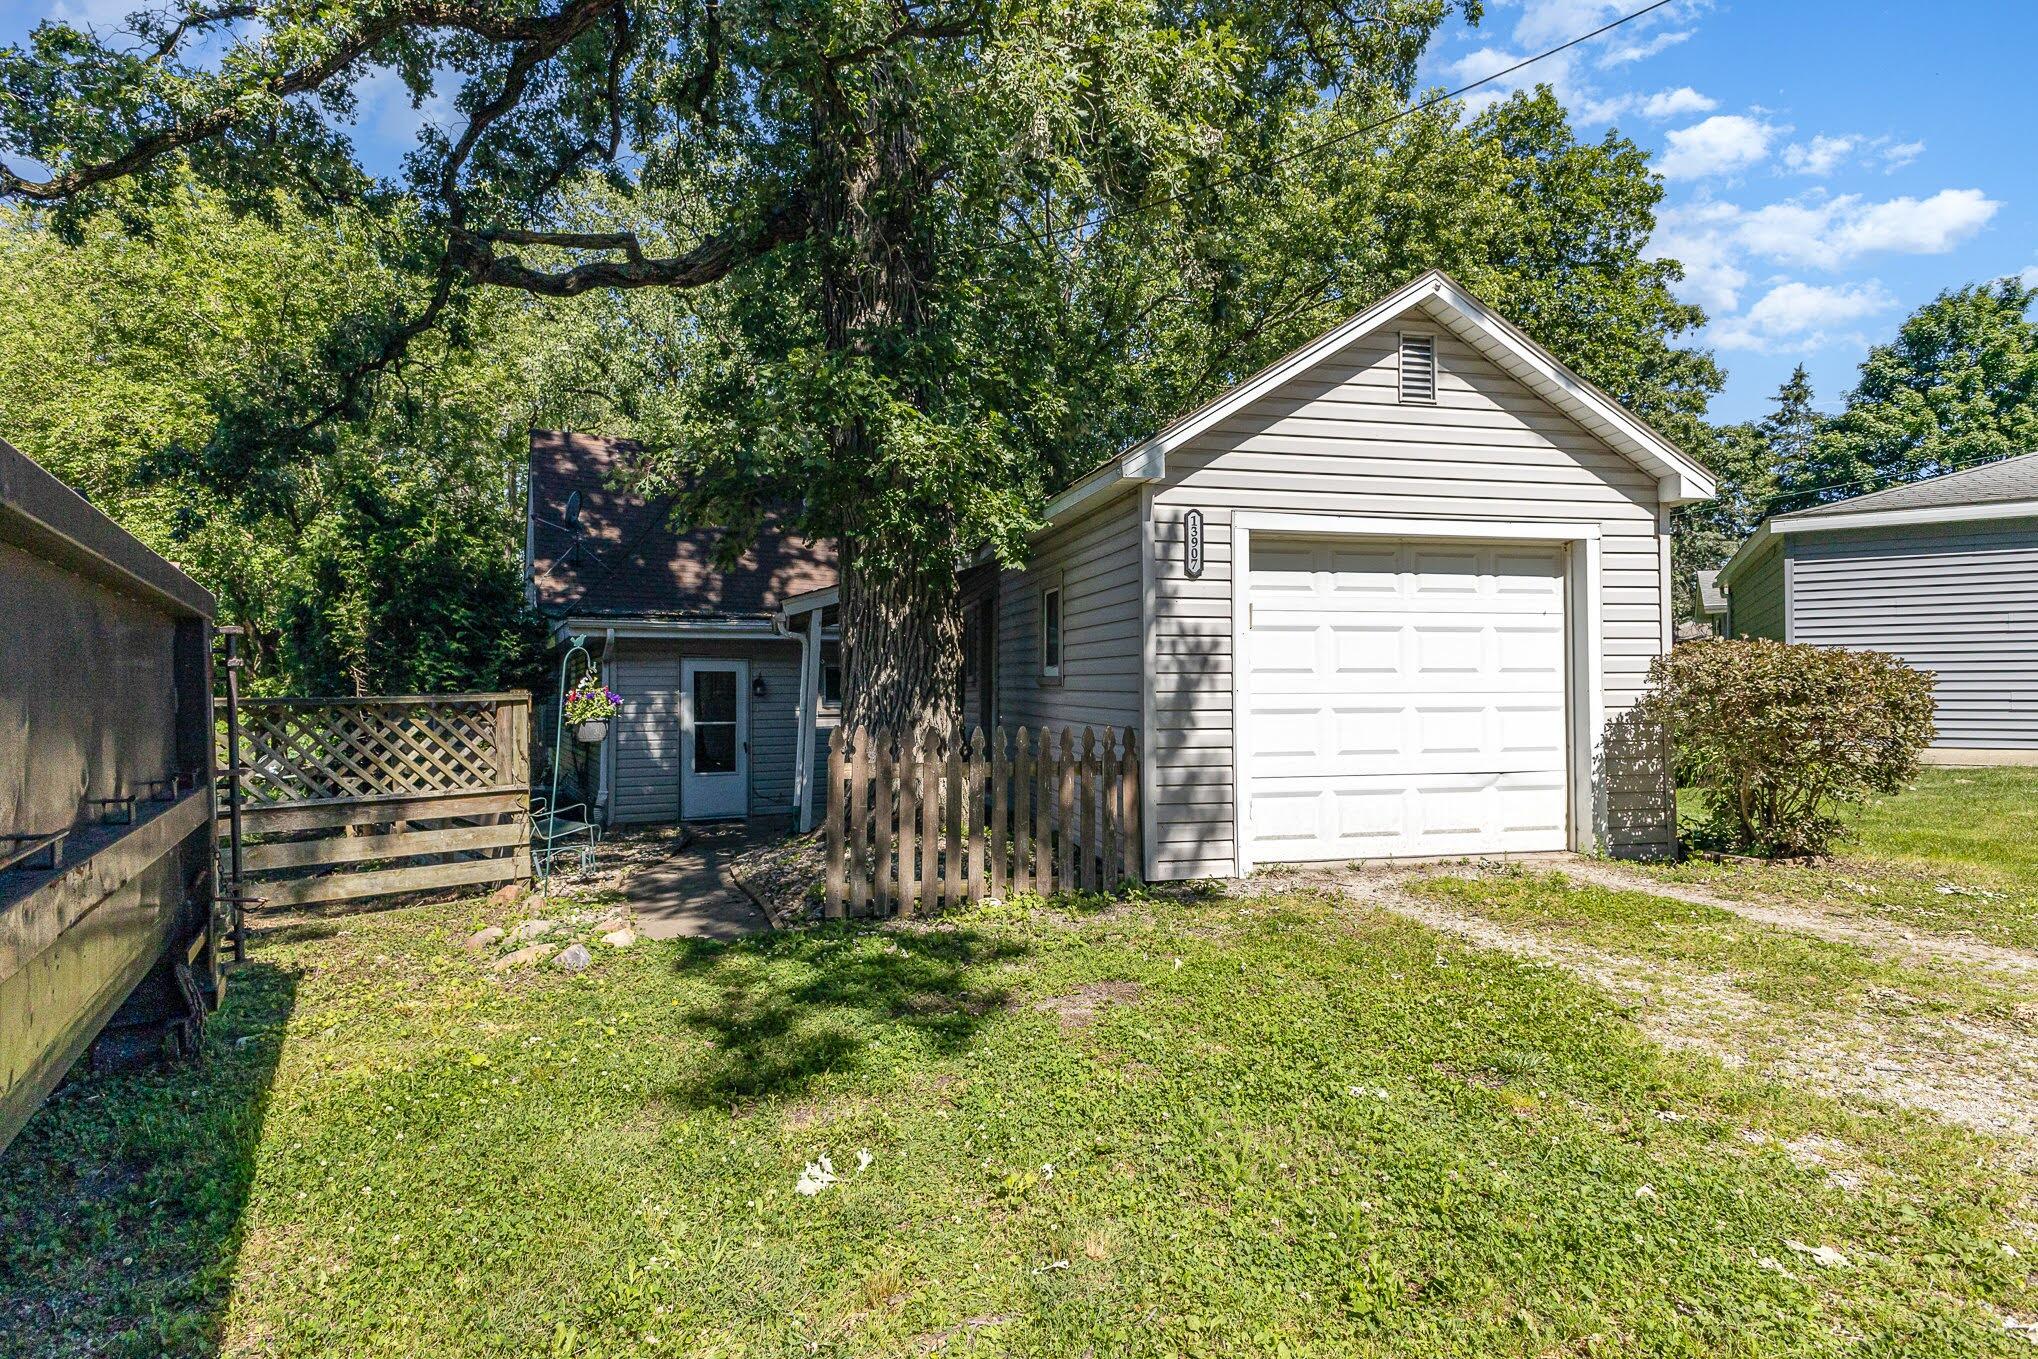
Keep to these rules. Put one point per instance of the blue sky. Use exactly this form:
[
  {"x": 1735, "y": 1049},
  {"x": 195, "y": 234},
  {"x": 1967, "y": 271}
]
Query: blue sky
[{"x": 1831, "y": 164}]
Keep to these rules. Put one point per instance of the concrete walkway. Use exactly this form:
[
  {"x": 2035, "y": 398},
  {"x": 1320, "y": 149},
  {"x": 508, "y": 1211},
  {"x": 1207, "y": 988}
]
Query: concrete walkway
[{"x": 691, "y": 895}]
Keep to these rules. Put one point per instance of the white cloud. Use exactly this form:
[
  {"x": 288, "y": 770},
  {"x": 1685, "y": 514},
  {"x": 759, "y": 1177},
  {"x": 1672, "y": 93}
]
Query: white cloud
[
  {"x": 2028, "y": 276},
  {"x": 1820, "y": 156},
  {"x": 1798, "y": 316},
  {"x": 1720, "y": 145},
  {"x": 1830, "y": 233},
  {"x": 1913, "y": 226},
  {"x": 1901, "y": 154},
  {"x": 1675, "y": 103},
  {"x": 1699, "y": 237},
  {"x": 1542, "y": 24},
  {"x": 1637, "y": 49}
]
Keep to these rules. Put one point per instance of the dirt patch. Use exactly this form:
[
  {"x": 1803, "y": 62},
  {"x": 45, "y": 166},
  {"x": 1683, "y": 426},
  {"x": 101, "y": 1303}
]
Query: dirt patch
[
  {"x": 1898, "y": 942},
  {"x": 1079, "y": 1008},
  {"x": 785, "y": 878},
  {"x": 1981, "y": 1076}
]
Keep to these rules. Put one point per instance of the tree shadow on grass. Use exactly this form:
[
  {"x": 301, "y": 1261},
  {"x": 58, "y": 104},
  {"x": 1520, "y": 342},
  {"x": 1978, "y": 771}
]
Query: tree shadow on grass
[
  {"x": 121, "y": 1202},
  {"x": 796, "y": 1005}
]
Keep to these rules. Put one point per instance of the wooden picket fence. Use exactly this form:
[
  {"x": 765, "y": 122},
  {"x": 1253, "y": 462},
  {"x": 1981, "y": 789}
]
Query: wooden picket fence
[
  {"x": 348, "y": 798},
  {"x": 915, "y": 824}
]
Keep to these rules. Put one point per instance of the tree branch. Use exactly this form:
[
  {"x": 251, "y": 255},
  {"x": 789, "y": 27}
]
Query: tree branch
[
  {"x": 234, "y": 107},
  {"x": 474, "y": 253}
]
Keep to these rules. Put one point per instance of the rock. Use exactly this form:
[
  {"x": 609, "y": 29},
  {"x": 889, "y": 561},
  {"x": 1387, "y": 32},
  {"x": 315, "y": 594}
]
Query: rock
[
  {"x": 575, "y": 958},
  {"x": 621, "y": 938},
  {"x": 481, "y": 939},
  {"x": 505, "y": 894},
  {"x": 533, "y": 954},
  {"x": 531, "y": 929}
]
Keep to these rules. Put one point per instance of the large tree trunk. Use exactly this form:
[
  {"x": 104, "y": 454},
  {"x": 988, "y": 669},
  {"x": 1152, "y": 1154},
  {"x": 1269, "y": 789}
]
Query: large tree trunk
[
  {"x": 902, "y": 647},
  {"x": 901, "y": 614}
]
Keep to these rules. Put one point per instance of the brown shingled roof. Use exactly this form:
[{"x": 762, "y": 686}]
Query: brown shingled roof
[{"x": 629, "y": 562}]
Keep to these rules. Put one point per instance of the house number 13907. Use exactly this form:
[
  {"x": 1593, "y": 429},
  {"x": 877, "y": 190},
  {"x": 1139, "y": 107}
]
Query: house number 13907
[{"x": 1192, "y": 537}]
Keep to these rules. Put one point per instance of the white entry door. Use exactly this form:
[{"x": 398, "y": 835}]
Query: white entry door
[
  {"x": 1404, "y": 699},
  {"x": 714, "y": 744}
]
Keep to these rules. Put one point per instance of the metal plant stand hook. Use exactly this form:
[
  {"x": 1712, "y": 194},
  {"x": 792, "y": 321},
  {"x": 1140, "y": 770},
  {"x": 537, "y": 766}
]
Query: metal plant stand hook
[{"x": 557, "y": 829}]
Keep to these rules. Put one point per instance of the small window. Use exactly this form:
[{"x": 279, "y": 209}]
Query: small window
[
  {"x": 1050, "y": 632},
  {"x": 1419, "y": 368},
  {"x": 831, "y": 677}
]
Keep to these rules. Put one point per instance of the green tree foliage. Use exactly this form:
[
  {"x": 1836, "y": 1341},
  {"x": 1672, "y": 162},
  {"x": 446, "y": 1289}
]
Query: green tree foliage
[
  {"x": 1957, "y": 387},
  {"x": 1779, "y": 739},
  {"x": 939, "y": 254},
  {"x": 381, "y": 562}
]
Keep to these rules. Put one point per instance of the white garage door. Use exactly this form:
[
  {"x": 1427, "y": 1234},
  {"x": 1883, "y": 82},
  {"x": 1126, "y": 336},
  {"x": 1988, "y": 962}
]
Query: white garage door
[{"x": 1404, "y": 699}]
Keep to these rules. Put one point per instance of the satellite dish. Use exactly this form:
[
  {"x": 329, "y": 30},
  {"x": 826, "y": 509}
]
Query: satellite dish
[{"x": 573, "y": 513}]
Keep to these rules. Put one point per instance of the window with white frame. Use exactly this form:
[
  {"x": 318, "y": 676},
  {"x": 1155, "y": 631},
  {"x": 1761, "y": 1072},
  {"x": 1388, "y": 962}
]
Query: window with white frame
[{"x": 1050, "y": 632}]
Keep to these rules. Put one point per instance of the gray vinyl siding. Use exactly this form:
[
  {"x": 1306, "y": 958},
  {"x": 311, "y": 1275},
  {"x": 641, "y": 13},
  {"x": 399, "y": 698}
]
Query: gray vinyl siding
[
  {"x": 1755, "y": 603},
  {"x": 644, "y": 783},
  {"x": 1338, "y": 441},
  {"x": 1960, "y": 600},
  {"x": 1096, "y": 561}
]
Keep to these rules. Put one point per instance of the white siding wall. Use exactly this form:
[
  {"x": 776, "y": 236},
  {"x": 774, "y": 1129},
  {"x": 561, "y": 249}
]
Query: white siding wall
[
  {"x": 647, "y": 754},
  {"x": 1338, "y": 441},
  {"x": 1096, "y": 561}
]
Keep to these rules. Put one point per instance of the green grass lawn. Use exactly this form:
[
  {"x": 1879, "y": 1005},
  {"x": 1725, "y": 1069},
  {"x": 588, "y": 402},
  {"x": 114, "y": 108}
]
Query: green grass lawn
[
  {"x": 1272, "y": 1126},
  {"x": 1956, "y": 852}
]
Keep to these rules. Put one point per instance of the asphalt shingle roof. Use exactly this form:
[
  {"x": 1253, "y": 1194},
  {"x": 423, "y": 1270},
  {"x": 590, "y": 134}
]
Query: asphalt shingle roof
[
  {"x": 629, "y": 562},
  {"x": 2007, "y": 479}
]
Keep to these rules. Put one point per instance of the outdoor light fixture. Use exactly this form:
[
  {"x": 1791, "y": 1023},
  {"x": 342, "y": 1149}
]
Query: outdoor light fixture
[{"x": 757, "y": 685}]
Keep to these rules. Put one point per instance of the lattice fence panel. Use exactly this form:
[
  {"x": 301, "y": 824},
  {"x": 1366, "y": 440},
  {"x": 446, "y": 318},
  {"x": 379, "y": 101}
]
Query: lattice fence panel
[{"x": 312, "y": 750}]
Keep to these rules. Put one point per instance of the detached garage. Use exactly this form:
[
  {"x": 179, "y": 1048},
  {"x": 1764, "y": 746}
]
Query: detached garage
[{"x": 1390, "y": 597}]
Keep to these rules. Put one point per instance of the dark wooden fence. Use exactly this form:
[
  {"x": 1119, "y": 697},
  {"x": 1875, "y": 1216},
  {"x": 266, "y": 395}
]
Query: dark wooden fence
[
  {"x": 915, "y": 824},
  {"x": 346, "y": 798}
]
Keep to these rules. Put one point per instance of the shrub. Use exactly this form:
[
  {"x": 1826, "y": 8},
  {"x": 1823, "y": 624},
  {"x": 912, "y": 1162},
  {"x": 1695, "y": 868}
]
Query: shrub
[{"x": 1778, "y": 738}]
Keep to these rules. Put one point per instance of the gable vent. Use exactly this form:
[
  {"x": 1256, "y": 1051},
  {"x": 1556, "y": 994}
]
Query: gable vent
[{"x": 1419, "y": 368}]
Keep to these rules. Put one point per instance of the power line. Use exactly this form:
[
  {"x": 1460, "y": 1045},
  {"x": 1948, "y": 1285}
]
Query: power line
[
  {"x": 1951, "y": 468},
  {"x": 1301, "y": 153}
]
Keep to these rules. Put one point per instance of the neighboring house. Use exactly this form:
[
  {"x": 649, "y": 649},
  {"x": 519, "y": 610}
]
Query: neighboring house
[
  {"x": 1712, "y": 603},
  {"x": 1943, "y": 573},
  {"x": 720, "y": 670},
  {"x": 1442, "y": 557}
]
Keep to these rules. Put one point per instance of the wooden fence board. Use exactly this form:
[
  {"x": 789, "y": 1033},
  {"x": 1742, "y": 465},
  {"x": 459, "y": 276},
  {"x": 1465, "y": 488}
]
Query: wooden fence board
[
  {"x": 390, "y": 881},
  {"x": 1001, "y": 775},
  {"x": 909, "y": 824},
  {"x": 1022, "y": 812},
  {"x": 278, "y": 817},
  {"x": 349, "y": 849},
  {"x": 917, "y": 823},
  {"x": 951, "y": 856},
  {"x": 930, "y": 824},
  {"x": 883, "y": 879},
  {"x": 336, "y": 765},
  {"x": 837, "y": 869}
]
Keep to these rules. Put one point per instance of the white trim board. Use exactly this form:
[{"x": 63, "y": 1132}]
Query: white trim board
[{"x": 1585, "y": 653}]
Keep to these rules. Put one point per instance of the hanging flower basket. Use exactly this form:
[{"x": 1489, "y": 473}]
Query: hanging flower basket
[{"x": 589, "y": 707}]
